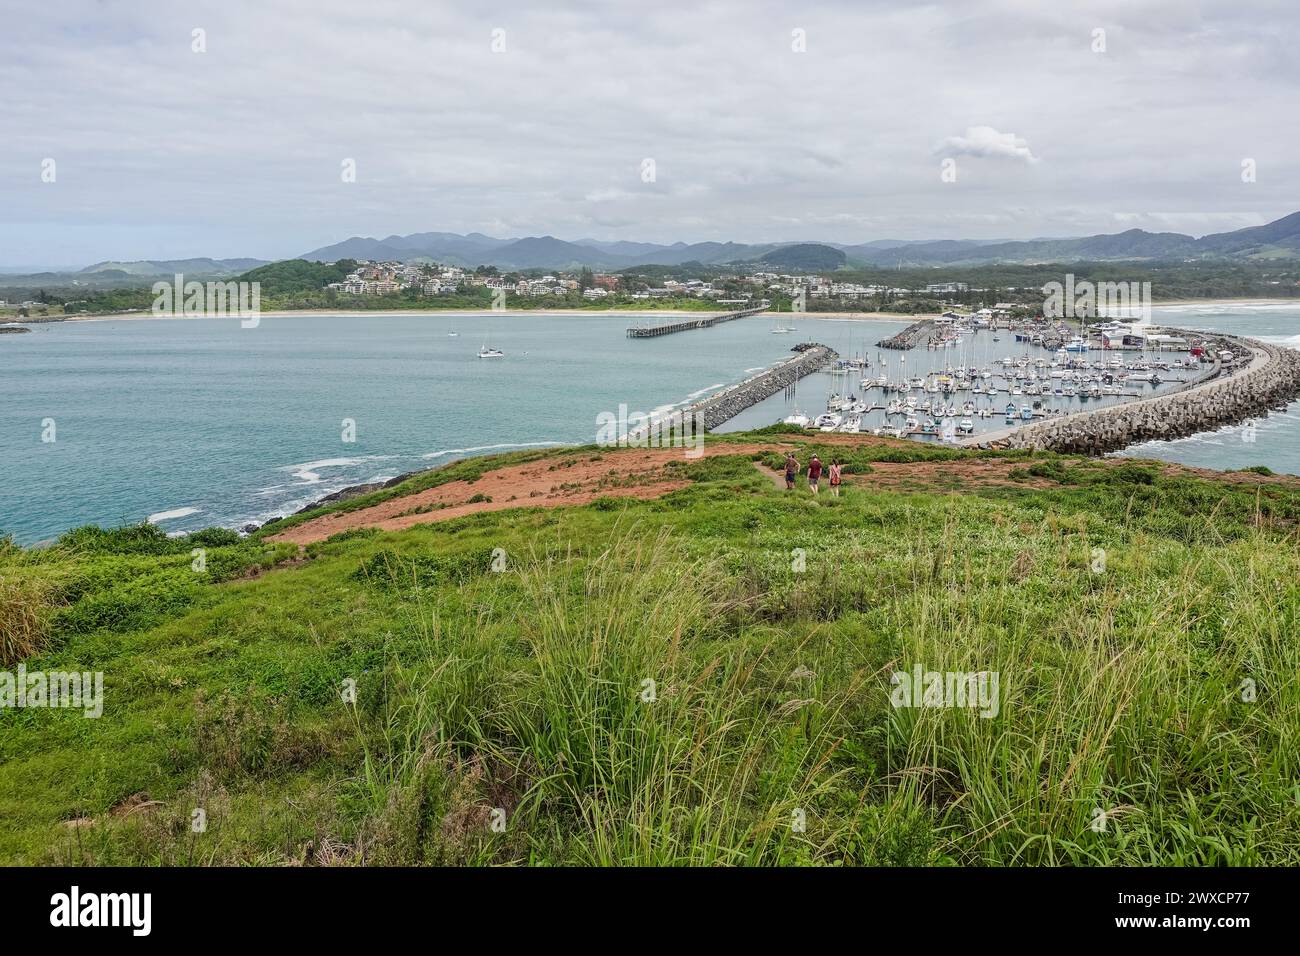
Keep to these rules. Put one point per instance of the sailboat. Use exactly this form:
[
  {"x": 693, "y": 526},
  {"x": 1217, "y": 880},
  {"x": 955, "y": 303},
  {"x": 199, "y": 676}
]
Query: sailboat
[
  {"x": 486, "y": 351},
  {"x": 798, "y": 419},
  {"x": 778, "y": 328}
]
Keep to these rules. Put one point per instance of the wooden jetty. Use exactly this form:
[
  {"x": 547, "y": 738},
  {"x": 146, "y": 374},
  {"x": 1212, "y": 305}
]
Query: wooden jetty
[{"x": 685, "y": 325}]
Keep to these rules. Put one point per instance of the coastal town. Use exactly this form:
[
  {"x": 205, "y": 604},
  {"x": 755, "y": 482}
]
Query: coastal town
[{"x": 385, "y": 278}]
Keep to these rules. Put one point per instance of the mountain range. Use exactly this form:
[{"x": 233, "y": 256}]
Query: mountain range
[{"x": 1278, "y": 239}]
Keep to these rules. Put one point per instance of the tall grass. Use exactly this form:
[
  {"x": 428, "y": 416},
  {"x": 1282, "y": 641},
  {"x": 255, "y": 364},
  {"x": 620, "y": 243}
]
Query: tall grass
[
  {"x": 27, "y": 604},
  {"x": 663, "y": 683},
  {"x": 25, "y": 612},
  {"x": 633, "y": 734}
]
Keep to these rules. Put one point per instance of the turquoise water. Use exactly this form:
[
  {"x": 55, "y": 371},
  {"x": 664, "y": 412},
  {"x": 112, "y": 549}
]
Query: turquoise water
[
  {"x": 193, "y": 423},
  {"x": 1276, "y": 443},
  {"x": 199, "y": 422}
]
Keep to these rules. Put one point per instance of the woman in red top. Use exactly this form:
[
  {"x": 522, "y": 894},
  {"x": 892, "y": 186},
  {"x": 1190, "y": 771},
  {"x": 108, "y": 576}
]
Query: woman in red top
[{"x": 835, "y": 471}]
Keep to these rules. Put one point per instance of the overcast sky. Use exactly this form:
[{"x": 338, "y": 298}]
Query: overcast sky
[{"x": 163, "y": 152}]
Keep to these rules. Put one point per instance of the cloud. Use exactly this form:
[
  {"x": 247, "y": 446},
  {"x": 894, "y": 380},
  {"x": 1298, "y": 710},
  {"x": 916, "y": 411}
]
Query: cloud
[
  {"x": 238, "y": 153},
  {"x": 985, "y": 141}
]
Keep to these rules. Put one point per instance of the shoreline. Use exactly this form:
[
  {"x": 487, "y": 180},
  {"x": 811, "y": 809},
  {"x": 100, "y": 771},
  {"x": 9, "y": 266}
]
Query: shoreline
[
  {"x": 390, "y": 313},
  {"x": 853, "y": 315},
  {"x": 1288, "y": 300},
  {"x": 358, "y": 313}
]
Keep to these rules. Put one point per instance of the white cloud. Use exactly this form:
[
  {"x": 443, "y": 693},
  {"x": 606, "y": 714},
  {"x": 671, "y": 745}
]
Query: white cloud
[
  {"x": 985, "y": 141},
  {"x": 164, "y": 153}
]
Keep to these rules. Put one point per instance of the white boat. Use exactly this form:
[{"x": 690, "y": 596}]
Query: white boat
[
  {"x": 486, "y": 352},
  {"x": 798, "y": 419},
  {"x": 828, "y": 422},
  {"x": 452, "y": 335}
]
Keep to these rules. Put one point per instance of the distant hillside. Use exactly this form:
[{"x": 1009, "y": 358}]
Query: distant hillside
[
  {"x": 1281, "y": 234},
  {"x": 294, "y": 276},
  {"x": 545, "y": 252},
  {"x": 359, "y": 247},
  {"x": 809, "y": 256},
  {"x": 167, "y": 267},
  {"x": 1277, "y": 239}
]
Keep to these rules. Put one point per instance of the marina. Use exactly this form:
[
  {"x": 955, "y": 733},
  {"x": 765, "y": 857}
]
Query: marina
[{"x": 964, "y": 382}]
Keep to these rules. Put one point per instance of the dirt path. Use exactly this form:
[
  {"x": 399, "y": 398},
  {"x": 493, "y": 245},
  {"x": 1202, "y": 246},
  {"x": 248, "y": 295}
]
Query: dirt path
[
  {"x": 553, "y": 482},
  {"x": 564, "y": 480}
]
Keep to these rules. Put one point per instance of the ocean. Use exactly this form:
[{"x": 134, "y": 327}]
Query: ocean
[{"x": 194, "y": 423}]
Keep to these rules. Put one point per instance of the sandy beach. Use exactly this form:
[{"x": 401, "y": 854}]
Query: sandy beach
[
  {"x": 362, "y": 313},
  {"x": 670, "y": 313},
  {"x": 1282, "y": 302}
]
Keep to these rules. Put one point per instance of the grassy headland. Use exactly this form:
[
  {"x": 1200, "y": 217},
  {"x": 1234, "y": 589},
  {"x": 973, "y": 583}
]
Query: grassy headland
[{"x": 504, "y": 660}]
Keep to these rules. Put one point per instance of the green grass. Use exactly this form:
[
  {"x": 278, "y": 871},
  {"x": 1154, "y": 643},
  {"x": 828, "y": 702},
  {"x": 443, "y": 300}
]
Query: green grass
[{"x": 656, "y": 682}]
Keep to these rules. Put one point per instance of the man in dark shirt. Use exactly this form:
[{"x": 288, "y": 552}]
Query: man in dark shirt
[
  {"x": 791, "y": 470},
  {"x": 814, "y": 473}
]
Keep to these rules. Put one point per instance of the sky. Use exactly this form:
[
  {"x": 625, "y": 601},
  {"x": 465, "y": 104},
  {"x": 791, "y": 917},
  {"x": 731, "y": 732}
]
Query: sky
[{"x": 128, "y": 135}]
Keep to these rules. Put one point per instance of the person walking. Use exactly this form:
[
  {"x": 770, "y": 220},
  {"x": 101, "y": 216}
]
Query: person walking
[
  {"x": 836, "y": 470},
  {"x": 814, "y": 473},
  {"x": 791, "y": 470}
]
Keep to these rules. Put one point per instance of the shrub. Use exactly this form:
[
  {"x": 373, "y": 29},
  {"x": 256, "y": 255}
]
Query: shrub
[{"x": 388, "y": 569}]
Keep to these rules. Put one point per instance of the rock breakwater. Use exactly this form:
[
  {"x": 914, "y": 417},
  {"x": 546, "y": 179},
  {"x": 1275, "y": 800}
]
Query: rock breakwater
[
  {"x": 910, "y": 337},
  {"x": 1271, "y": 379},
  {"x": 730, "y": 402}
]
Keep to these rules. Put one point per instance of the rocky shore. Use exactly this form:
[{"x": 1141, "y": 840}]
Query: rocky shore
[
  {"x": 1271, "y": 380},
  {"x": 343, "y": 494}
]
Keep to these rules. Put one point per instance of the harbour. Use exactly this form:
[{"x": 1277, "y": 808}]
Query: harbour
[
  {"x": 266, "y": 441},
  {"x": 972, "y": 379}
]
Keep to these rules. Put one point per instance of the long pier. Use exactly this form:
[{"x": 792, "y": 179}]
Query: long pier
[{"x": 685, "y": 325}]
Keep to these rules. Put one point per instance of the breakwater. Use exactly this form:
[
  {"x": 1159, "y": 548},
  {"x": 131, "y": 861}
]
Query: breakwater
[
  {"x": 685, "y": 325},
  {"x": 1270, "y": 380},
  {"x": 710, "y": 412},
  {"x": 730, "y": 402},
  {"x": 910, "y": 337}
]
